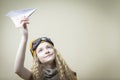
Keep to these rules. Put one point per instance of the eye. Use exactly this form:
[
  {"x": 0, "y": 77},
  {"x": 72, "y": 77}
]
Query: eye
[{"x": 40, "y": 50}]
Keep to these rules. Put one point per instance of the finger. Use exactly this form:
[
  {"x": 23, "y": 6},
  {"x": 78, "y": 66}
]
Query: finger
[{"x": 24, "y": 21}]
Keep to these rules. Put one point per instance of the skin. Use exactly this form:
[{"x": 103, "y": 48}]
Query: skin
[
  {"x": 46, "y": 57},
  {"x": 45, "y": 53}
]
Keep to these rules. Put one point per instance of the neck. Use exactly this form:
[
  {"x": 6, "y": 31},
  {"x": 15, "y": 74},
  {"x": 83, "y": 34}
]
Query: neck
[{"x": 49, "y": 65}]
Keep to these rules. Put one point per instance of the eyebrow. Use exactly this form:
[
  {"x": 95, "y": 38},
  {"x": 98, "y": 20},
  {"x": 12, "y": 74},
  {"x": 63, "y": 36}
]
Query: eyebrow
[{"x": 47, "y": 45}]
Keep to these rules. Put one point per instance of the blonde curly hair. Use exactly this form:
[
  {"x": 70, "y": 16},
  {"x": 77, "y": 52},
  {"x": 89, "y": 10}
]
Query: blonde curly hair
[{"x": 64, "y": 72}]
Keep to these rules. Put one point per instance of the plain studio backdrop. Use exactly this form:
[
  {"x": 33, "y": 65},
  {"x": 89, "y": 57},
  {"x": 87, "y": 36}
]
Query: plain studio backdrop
[{"x": 85, "y": 32}]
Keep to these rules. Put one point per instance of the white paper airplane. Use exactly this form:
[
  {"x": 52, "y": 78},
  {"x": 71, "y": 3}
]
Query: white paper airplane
[{"x": 16, "y": 15}]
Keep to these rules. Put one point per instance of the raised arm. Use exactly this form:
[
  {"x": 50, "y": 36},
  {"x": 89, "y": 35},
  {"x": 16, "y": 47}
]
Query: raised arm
[{"x": 20, "y": 57}]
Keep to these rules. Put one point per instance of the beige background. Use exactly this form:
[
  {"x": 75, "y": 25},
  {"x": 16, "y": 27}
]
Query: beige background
[{"x": 86, "y": 32}]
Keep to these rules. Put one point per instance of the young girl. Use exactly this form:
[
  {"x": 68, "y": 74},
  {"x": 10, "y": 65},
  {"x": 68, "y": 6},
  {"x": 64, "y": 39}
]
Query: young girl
[{"x": 48, "y": 64}]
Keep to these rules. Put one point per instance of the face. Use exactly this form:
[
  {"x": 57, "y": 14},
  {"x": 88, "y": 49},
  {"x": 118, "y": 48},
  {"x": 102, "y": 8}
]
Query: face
[{"x": 45, "y": 52}]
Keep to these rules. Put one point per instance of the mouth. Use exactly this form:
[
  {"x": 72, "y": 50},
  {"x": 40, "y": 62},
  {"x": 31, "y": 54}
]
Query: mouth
[{"x": 48, "y": 55}]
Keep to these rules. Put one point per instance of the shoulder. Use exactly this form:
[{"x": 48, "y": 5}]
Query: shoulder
[
  {"x": 75, "y": 75},
  {"x": 31, "y": 76}
]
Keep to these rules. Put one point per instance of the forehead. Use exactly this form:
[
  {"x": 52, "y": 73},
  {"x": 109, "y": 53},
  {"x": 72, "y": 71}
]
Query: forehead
[{"x": 43, "y": 44}]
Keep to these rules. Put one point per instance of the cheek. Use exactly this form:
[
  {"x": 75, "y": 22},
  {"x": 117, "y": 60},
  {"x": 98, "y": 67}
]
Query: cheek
[
  {"x": 54, "y": 54},
  {"x": 53, "y": 51},
  {"x": 40, "y": 57}
]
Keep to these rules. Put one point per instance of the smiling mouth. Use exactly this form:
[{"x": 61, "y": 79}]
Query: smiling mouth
[{"x": 48, "y": 55}]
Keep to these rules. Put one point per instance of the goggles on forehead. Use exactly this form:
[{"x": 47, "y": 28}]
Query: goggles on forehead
[{"x": 34, "y": 44}]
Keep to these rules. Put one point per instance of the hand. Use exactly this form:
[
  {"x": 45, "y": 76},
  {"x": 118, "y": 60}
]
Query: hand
[{"x": 23, "y": 22}]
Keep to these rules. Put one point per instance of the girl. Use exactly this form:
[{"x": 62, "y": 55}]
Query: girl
[{"x": 48, "y": 64}]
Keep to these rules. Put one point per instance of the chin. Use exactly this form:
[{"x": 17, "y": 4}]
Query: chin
[{"x": 50, "y": 59}]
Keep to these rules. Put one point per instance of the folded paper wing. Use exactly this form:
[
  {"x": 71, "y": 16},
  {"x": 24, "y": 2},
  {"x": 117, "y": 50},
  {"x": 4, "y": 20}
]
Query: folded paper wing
[{"x": 16, "y": 15}]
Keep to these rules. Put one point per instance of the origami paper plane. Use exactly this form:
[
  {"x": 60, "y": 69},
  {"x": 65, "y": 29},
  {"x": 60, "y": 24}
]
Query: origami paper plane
[{"x": 16, "y": 15}]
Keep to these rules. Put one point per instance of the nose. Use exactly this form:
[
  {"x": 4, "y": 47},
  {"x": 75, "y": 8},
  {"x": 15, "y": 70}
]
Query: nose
[{"x": 46, "y": 51}]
